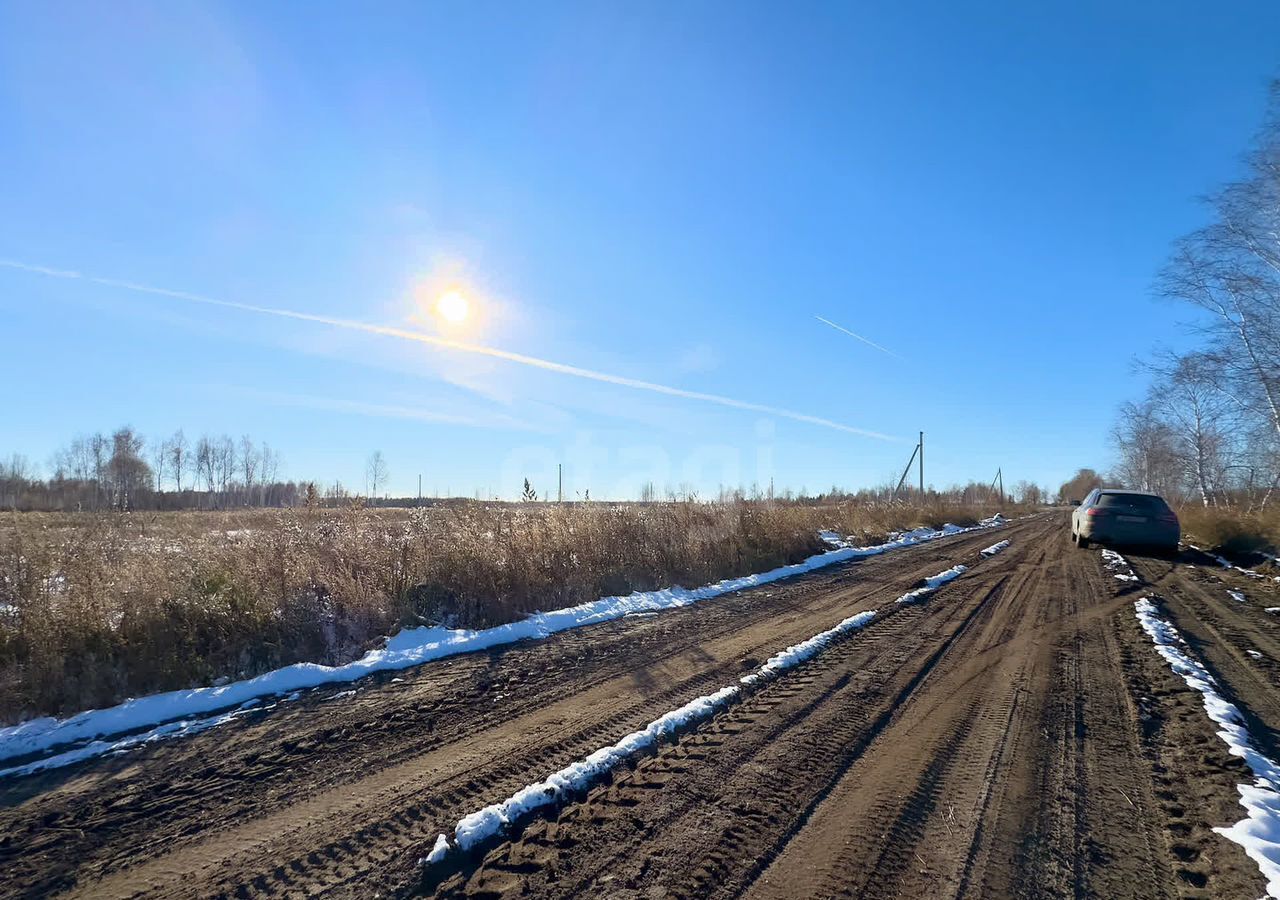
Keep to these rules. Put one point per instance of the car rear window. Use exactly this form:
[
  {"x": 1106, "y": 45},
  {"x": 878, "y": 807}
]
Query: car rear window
[{"x": 1139, "y": 502}]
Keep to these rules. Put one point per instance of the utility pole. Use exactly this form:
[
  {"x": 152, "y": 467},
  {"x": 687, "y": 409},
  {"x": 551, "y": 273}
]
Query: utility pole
[
  {"x": 918, "y": 449},
  {"x": 921, "y": 465},
  {"x": 560, "y": 481},
  {"x": 419, "y": 489}
]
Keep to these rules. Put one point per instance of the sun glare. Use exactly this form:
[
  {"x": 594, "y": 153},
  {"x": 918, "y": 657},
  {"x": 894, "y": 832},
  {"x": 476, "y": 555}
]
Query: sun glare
[{"x": 453, "y": 307}]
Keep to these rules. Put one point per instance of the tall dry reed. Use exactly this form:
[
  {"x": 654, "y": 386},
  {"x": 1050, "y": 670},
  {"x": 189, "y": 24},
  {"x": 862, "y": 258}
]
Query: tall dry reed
[{"x": 95, "y": 608}]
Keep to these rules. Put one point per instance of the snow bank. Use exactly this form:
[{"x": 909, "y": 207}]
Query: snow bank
[
  {"x": 410, "y": 647},
  {"x": 995, "y": 548},
  {"x": 931, "y": 584},
  {"x": 180, "y": 728},
  {"x": 1118, "y": 565},
  {"x": 1259, "y": 831},
  {"x": 479, "y": 826}
]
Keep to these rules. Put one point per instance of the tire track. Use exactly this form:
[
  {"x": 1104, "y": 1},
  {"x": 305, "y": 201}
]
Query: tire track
[
  {"x": 855, "y": 689},
  {"x": 958, "y": 748},
  {"x": 1221, "y": 631}
]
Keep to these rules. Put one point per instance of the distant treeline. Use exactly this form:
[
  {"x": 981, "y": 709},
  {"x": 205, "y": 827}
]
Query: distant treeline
[{"x": 124, "y": 471}]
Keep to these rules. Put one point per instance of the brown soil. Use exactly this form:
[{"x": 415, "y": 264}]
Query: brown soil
[{"x": 1014, "y": 735}]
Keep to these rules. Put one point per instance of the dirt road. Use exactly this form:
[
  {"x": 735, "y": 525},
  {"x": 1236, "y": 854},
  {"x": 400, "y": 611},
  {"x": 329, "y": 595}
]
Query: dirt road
[{"x": 1013, "y": 735}]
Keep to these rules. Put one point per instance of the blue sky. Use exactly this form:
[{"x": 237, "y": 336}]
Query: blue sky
[{"x": 669, "y": 193}]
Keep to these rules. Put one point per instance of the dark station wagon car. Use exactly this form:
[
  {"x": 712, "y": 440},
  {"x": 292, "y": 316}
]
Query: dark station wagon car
[{"x": 1125, "y": 517}]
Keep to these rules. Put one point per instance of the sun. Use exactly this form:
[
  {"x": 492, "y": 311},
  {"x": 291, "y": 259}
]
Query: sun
[{"x": 453, "y": 307}]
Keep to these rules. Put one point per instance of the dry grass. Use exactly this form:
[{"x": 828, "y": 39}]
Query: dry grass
[
  {"x": 98, "y": 607},
  {"x": 1232, "y": 532}
]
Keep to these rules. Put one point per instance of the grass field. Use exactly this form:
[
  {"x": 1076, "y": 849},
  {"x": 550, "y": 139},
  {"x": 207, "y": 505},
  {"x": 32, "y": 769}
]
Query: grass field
[
  {"x": 95, "y": 608},
  {"x": 1248, "y": 537}
]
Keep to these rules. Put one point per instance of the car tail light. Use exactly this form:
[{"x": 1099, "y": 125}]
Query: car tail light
[
  {"x": 1096, "y": 511},
  {"x": 1169, "y": 517}
]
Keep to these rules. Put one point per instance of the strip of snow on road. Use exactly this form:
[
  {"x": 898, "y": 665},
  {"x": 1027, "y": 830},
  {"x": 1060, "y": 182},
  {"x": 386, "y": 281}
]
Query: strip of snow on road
[
  {"x": 995, "y": 548},
  {"x": 483, "y": 824},
  {"x": 480, "y": 826},
  {"x": 175, "y": 713},
  {"x": 1259, "y": 831},
  {"x": 931, "y": 584}
]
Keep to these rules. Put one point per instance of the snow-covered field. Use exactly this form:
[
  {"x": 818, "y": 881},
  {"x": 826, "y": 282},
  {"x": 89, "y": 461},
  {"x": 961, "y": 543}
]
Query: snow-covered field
[
  {"x": 1259, "y": 831},
  {"x": 178, "y": 713}
]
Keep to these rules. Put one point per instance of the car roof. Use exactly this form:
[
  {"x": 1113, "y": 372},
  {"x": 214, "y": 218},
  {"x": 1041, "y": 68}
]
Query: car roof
[{"x": 1131, "y": 493}]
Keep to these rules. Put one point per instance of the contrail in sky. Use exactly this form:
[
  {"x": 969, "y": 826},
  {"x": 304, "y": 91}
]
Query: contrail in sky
[
  {"x": 448, "y": 344},
  {"x": 858, "y": 336}
]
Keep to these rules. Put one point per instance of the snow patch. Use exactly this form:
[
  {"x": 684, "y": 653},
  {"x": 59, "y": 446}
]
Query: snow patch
[
  {"x": 485, "y": 823},
  {"x": 1238, "y": 596},
  {"x": 1259, "y": 831},
  {"x": 1118, "y": 565},
  {"x": 995, "y": 548},
  {"x": 1226, "y": 564},
  {"x": 174, "y": 713},
  {"x": 181, "y": 728},
  {"x": 931, "y": 584},
  {"x": 438, "y": 852},
  {"x": 832, "y": 539},
  {"x": 1256, "y": 654}
]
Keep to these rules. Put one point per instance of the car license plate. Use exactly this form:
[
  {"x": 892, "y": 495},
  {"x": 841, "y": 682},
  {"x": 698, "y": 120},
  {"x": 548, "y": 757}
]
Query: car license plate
[{"x": 1131, "y": 518}]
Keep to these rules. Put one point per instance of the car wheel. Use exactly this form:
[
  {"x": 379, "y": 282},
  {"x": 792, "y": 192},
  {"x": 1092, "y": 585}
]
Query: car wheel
[{"x": 1082, "y": 542}]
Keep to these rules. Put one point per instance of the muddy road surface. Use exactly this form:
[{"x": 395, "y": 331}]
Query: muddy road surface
[{"x": 1011, "y": 735}]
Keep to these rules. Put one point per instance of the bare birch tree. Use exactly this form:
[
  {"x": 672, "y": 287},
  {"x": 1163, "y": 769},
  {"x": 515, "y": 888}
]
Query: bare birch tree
[
  {"x": 249, "y": 464},
  {"x": 179, "y": 457},
  {"x": 159, "y": 460},
  {"x": 376, "y": 470},
  {"x": 206, "y": 464},
  {"x": 1230, "y": 270}
]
